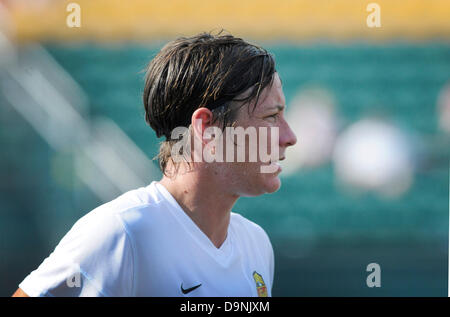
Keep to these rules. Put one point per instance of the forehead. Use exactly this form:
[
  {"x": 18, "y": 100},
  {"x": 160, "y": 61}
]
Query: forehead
[{"x": 270, "y": 97}]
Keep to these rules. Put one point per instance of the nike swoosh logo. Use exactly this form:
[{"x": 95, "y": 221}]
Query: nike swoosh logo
[{"x": 188, "y": 290}]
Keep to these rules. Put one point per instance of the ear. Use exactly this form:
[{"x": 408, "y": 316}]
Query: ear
[{"x": 201, "y": 119}]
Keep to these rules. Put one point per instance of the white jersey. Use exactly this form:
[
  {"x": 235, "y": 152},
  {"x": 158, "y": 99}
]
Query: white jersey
[{"x": 143, "y": 244}]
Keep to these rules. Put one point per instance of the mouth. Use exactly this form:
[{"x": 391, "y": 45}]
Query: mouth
[{"x": 277, "y": 164}]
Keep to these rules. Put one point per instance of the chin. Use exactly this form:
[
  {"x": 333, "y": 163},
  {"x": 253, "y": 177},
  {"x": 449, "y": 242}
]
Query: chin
[
  {"x": 273, "y": 184},
  {"x": 264, "y": 186}
]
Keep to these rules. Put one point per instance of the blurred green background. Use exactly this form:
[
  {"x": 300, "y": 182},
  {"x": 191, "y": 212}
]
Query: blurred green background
[{"x": 323, "y": 236}]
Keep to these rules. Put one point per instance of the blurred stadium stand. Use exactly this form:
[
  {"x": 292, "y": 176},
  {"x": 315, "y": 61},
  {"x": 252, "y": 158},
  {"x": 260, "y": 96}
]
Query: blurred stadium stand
[{"x": 323, "y": 235}]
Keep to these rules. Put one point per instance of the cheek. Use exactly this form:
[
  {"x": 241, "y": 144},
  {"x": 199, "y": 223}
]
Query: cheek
[
  {"x": 267, "y": 146},
  {"x": 241, "y": 172},
  {"x": 250, "y": 181},
  {"x": 248, "y": 174}
]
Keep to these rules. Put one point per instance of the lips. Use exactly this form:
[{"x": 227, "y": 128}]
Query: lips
[{"x": 277, "y": 164}]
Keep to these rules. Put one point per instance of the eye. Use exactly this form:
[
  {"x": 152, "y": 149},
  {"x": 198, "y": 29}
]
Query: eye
[{"x": 274, "y": 116}]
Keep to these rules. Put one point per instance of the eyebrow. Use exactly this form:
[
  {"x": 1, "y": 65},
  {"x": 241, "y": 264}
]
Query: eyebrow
[{"x": 278, "y": 107}]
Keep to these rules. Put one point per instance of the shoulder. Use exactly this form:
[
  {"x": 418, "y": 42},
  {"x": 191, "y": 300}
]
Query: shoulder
[
  {"x": 98, "y": 247},
  {"x": 244, "y": 226},
  {"x": 240, "y": 221},
  {"x": 127, "y": 209},
  {"x": 108, "y": 225}
]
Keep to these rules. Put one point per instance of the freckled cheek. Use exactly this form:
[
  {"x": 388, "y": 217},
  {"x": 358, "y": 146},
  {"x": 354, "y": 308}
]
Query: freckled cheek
[{"x": 263, "y": 144}]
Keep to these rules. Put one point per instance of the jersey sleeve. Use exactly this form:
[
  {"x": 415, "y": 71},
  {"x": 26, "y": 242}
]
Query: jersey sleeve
[{"x": 95, "y": 258}]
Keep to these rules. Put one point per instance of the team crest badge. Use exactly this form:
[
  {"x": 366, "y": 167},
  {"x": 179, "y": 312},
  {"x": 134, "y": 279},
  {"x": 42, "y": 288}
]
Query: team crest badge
[{"x": 260, "y": 285}]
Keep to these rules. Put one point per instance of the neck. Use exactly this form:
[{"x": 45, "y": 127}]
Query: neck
[{"x": 207, "y": 203}]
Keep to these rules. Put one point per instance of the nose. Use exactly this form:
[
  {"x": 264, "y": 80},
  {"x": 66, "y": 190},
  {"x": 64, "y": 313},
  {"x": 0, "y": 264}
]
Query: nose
[{"x": 287, "y": 136}]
